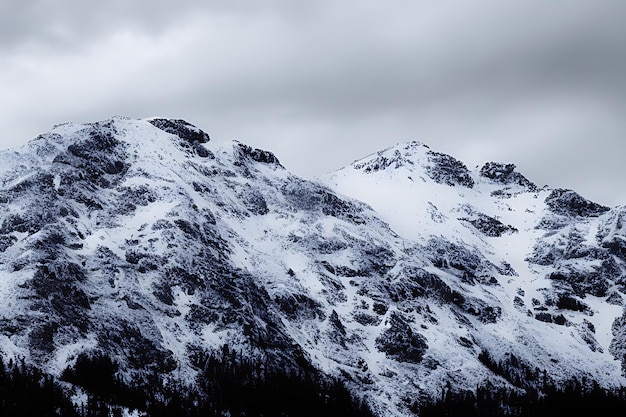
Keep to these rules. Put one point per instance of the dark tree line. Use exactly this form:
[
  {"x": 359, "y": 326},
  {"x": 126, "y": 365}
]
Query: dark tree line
[
  {"x": 27, "y": 392},
  {"x": 571, "y": 399},
  {"x": 536, "y": 395},
  {"x": 246, "y": 387},
  {"x": 228, "y": 384}
]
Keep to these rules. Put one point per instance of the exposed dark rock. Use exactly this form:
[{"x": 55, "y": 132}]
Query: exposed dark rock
[
  {"x": 566, "y": 302},
  {"x": 6, "y": 241},
  {"x": 468, "y": 264},
  {"x": 182, "y": 129},
  {"x": 62, "y": 302},
  {"x": 445, "y": 169},
  {"x": 612, "y": 233},
  {"x": 506, "y": 174},
  {"x": 336, "y": 207},
  {"x": 501, "y": 194},
  {"x": 163, "y": 292},
  {"x": 323, "y": 245},
  {"x": 544, "y": 254},
  {"x": 489, "y": 226},
  {"x": 376, "y": 258},
  {"x": 383, "y": 160},
  {"x": 191, "y": 138},
  {"x": 615, "y": 299},
  {"x": 336, "y": 323},
  {"x": 400, "y": 342},
  {"x": 414, "y": 283},
  {"x": 552, "y": 222},
  {"x": 465, "y": 342},
  {"x": 304, "y": 195},
  {"x": 617, "y": 246},
  {"x": 188, "y": 228},
  {"x": 581, "y": 283},
  {"x": 586, "y": 331},
  {"x": 258, "y": 155},
  {"x": 479, "y": 308},
  {"x": 255, "y": 202},
  {"x": 41, "y": 337},
  {"x": 299, "y": 306},
  {"x": 189, "y": 281},
  {"x": 380, "y": 308},
  {"x": 506, "y": 269},
  {"x": 139, "y": 350},
  {"x": 367, "y": 319},
  {"x": 98, "y": 159},
  {"x": 618, "y": 344},
  {"x": 140, "y": 195},
  {"x": 560, "y": 320},
  {"x": 512, "y": 368},
  {"x": 570, "y": 203},
  {"x": 162, "y": 224},
  {"x": 545, "y": 317}
]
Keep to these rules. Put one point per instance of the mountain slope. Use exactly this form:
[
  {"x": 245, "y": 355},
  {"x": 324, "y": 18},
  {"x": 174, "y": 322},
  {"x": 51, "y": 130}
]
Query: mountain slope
[
  {"x": 400, "y": 274},
  {"x": 557, "y": 284}
]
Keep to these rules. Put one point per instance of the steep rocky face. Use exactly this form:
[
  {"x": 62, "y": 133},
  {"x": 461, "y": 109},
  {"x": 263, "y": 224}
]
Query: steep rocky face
[
  {"x": 400, "y": 274},
  {"x": 515, "y": 263},
  {"x": 570, "y": 203},
  {"x": 506, "y": 174}
]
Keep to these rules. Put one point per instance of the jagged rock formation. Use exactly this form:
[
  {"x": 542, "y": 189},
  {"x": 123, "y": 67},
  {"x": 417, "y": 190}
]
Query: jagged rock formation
[
  {"x": 399, "y": 274},
  {"x": 506, "y": 174}
]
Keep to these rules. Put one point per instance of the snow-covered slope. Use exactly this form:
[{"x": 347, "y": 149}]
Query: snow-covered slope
[
  {"x": 548, "y": 263},
  {"x": 399, "y": 274}
]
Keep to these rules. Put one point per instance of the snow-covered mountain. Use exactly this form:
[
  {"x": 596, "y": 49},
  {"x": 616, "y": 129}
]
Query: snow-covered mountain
[{"x": 404, "y": 274}]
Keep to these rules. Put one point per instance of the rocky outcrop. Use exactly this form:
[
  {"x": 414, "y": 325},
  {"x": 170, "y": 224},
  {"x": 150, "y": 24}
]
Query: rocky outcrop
[
  {"x": 506, "y": 174},
  {"x": 445, "y": 169},
  {"x": 570, "y": 203}
]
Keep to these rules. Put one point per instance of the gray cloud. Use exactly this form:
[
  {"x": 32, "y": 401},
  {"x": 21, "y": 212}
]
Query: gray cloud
[
  {"x": 71, "y": 23},
  {"x": 539, "y": 84}
]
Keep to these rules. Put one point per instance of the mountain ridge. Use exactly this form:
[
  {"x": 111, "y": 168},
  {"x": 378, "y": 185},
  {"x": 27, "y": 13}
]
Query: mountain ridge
[{"x": 145, "y": 240}]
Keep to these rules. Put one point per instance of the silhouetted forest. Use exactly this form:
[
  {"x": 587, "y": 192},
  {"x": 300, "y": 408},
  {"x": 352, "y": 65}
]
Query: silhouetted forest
[
  {"x": 231, "y": 385},
  {"x": 227, "y": 385},
  {"x": 537, "y": 396},
  {"x": 572, "y": 399},
  {"x": 28, "y": 392}
]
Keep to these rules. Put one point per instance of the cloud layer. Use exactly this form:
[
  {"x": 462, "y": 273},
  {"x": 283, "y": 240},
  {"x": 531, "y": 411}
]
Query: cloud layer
[{"x": 537, "y": 84}]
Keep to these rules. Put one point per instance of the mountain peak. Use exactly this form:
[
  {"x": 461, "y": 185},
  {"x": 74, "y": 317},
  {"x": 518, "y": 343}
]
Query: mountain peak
[
  {"x": 405, "y": 154},
  {"x": 416, "y": 158}
]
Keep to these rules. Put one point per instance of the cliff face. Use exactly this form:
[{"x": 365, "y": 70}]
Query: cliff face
[{"x": 144, "y": 240}]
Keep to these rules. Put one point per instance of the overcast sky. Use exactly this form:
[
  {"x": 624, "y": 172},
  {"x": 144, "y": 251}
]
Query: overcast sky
[{"x": 322, "y": 83}]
